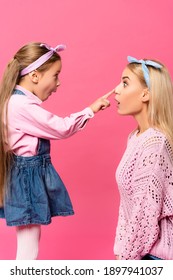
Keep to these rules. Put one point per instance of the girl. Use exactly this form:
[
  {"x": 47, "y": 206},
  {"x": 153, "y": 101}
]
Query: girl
[
  {"x": 31, "y": 191},
  {"x": 145, "y": 173}
]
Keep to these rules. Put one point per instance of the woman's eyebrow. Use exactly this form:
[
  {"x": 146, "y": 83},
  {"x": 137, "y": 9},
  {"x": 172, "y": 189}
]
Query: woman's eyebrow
[{"x": 125, "y": 77}]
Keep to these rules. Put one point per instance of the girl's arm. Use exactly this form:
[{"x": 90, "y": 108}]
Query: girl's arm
[{"x": 34, "y": 120}]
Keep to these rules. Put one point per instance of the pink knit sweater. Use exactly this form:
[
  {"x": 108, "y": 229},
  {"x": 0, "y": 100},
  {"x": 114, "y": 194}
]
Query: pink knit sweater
[{"x": 145, "y": 182}]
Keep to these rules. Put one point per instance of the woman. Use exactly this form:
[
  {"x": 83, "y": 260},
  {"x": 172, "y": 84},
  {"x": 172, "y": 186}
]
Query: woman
[{"x": 145, "y": 173}]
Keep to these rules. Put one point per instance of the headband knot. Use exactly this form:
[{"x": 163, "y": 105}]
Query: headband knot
[
  {"x": 144, "y": 64},
  {"x": 58, "y": 48},
  {"x": 42, "y": 59}
]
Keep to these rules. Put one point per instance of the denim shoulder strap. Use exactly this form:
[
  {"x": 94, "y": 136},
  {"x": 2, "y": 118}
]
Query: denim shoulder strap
[{"x": 17, "y": 91}]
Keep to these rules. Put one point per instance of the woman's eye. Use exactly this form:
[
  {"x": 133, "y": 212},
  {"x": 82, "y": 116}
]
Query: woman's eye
[{"x": 124, "y": 84}]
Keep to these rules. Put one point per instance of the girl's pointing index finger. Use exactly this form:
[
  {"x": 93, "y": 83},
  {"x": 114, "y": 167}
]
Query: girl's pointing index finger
[{"x": 109, "y": 94}]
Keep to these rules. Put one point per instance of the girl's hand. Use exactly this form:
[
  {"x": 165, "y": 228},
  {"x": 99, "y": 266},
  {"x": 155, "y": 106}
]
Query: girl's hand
[
  {"x": 117, "y": 257},
  {"x": 102, "y": 102}
]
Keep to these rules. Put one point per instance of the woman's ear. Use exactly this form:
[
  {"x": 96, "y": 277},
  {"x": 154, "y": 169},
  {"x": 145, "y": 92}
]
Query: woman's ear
[
  {"x": 145, "y": 95},
  {"x": 34, "y": 76}
]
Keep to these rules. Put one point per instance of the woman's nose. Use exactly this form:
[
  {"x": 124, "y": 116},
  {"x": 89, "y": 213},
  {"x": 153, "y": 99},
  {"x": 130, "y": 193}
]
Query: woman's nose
[{"x": 117, "y": 89}]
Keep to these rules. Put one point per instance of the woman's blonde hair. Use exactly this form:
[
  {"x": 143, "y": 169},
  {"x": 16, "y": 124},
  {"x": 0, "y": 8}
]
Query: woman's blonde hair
[
  {"x": 11, "y": 77},
  {"x": 160, "y": 106}
]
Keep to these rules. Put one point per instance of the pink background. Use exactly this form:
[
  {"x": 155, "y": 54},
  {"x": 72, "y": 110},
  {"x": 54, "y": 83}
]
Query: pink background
[{"x": 99, "y": 35}]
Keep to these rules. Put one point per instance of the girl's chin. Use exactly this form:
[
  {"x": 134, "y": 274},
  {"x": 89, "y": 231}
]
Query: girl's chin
[{"x": 47, "y": 96}]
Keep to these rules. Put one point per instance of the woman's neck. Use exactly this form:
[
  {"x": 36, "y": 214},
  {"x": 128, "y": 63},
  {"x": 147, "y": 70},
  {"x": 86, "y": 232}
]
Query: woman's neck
[{"x": 143, "y": 123}]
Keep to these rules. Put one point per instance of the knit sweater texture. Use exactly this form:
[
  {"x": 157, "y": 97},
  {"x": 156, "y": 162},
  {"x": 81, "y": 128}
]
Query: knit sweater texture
[{"x": 145, "y": 181}]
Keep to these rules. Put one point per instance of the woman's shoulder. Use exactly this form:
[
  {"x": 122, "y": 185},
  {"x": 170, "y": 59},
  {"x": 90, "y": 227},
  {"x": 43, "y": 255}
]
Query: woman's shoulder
[
  {"x": 152, "y": 138},
  {"x": 155, "y": 141},
  {"x": 153, "y": 134}
]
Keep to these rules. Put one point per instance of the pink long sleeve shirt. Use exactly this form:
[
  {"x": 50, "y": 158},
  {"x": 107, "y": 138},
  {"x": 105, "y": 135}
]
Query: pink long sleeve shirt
[
  {"x": 145, "y": 181},
  {"x": 28, "y": 121}
]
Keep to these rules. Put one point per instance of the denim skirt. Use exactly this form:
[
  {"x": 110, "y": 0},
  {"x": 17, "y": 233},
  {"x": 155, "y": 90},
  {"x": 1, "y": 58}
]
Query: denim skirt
[{"x": 35, "y": 191}]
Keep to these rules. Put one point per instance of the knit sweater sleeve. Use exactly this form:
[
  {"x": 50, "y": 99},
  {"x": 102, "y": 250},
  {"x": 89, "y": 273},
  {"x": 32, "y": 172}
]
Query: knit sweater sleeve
[{"x": 146, "y": 199}]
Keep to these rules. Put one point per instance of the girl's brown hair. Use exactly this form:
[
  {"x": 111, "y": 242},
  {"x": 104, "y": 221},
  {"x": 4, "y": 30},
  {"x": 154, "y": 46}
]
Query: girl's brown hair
[{"x": 11, "y": 77}]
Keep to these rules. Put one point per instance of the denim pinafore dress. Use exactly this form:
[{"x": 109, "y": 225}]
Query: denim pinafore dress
[{"x": 35, "y": 191}]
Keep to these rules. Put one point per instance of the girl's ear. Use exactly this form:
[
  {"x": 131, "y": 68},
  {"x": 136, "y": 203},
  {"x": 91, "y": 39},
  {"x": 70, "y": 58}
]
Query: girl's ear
[
  {"x": 145, "y": 95},
  {"x": 34, "y": 76}
]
